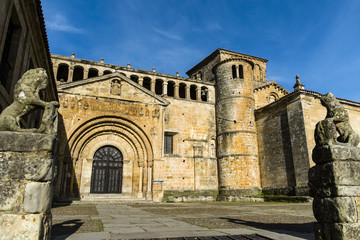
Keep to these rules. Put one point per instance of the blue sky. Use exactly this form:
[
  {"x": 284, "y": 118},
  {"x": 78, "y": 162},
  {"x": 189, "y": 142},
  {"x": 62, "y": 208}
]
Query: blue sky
[{"x": 319, "y": 40}]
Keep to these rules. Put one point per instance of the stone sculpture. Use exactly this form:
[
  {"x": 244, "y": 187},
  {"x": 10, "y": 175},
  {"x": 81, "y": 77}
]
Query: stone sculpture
[
  {"x": 27, "y": 162},
  {"x": 335, "y": 123},
  {"x": 27, "y": 99},
  {"x": 335, "y": 179}
]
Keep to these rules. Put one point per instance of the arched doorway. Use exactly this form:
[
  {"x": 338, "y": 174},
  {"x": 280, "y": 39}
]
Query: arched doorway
[{"x": 107, "y": 170}]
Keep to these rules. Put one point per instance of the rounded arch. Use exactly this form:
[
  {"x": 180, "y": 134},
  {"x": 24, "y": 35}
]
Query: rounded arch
[
  {"x": 107, "y": 72},
  {"x": 193, "y": 90},
  {"x": 182, "y": 90},
  {"x": 134, "y": 78},
  {"x": 78, "y": 73},
  {"x": 63, "y": 72},
  {"x": 93, "y": 72},
  {"x": 273, "y": 97},
  {"x": 171, "y": 88},
  {"x": 112, "y": 125}
]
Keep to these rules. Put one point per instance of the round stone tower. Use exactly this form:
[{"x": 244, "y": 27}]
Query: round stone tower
[{"x": 237, "y": 151}]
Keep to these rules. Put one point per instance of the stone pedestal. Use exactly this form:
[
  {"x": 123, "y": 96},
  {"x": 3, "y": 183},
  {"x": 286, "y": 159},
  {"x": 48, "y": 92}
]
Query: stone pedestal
[
  {"x": 335, "y": 185},
  {"x": 27, "y": 164}
]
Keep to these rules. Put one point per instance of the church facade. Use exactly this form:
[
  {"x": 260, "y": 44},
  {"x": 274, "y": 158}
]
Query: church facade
[{"x": 225, "y": 132}]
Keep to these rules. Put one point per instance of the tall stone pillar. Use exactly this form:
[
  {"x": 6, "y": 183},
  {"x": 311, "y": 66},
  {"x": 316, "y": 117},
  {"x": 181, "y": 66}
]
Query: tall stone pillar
[
  {"x": 152, "y": 85},
  {"x": 237, "y": 154},
  {"x": 335, "y": 179},
  {"x": 198, "y": 93},
  {"x": 27, "y": 162},
  {"x": 176, "y": 90},
  {"x": 187, "y": 92},
  {"x": 165, "y": 85}
]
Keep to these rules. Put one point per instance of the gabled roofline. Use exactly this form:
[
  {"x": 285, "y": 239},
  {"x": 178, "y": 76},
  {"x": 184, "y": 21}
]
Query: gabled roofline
[
  {"x": 87, "y": 81},
  {"x": 215, "y": 53},
  {"x": 271, "y": 83}
]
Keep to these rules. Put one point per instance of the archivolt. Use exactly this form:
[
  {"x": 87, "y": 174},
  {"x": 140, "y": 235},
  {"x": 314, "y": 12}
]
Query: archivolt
[{"x": 124, "y": 128}]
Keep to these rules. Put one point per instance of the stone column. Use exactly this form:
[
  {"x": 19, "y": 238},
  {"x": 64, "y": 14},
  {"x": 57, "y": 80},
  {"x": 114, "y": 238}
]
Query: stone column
[
  {"x": 27, "y": 162},
  {"x": 86, "y": 73},
  {"x": 187, "y": 92},
  {"x": 149, "y": 183},
  {"x": 70, "y": 76},
  {"x": 165, "y": 84},
  {"x": 335, "y": 185},
  {"x": 335, "y": 179},
  {"x": 176, "y": 90},
  {"x": 152, "y": 85},
  {"x": 141, "y": 81},
  {"x": 140, "y": 193},
  {"x": 198, "y": 93}
]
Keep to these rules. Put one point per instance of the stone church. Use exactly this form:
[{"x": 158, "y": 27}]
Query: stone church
[{"x": 224, "y": 132}]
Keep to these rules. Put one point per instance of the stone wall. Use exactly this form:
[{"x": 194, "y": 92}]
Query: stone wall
[
  {"x": 283, "y": 153},
  {"x": 192, "y": 166}
]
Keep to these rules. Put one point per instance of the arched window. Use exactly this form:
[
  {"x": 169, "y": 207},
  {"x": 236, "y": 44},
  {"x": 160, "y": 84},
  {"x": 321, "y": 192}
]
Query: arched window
[
  {"x": 159, "y": 86},
  {"x": 134, "y": 78},
  {"x": 241, "y": 71},
  {"x": 147, "y": 83},
  {"x": 107, "y": 72},
  {"x": 233, "y": 68},
  {"x": 93, "y": 73},
  {"x": 123, "y": 74},
  {"x": 63, "y": 72},
  {"x": 182, "y": 89},
  {"x": 78, "y": 73},
  {"x": 204, "y": 94},
  {"x": 257, "y": 72},
  {"x": 273, "y": 97},
  {"x": 193, "y": 89},
  {"x": 170, "y": 89}
]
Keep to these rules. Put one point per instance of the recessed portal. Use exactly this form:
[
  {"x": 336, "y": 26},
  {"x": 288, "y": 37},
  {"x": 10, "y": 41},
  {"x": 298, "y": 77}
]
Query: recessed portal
[{"x": 107, "y": 171}]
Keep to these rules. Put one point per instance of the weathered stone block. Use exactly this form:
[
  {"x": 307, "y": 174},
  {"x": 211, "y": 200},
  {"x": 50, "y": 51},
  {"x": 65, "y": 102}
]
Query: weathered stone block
[
  {"x": 37, "y": 197},
  {"x": 331, "y": 153},
  {"x": 34, "y": 166},
  {"x": 29, "y": 227},
  {"x": 9, "y": 194},
  {"x": 335, "y": 210},
  {"x": 325, "y": 179},
  {"x": 27, "y": 142},
  {"x": 337, "y": 231}
]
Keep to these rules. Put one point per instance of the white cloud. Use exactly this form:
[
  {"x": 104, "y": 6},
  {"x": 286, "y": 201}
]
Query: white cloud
[
  {"x": 60, "y": 23},
  {"x": 167, "y": 34}
]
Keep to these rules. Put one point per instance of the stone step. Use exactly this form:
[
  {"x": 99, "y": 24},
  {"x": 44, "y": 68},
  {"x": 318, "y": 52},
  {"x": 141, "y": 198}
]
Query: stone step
[{"x": 111, "y": 198}]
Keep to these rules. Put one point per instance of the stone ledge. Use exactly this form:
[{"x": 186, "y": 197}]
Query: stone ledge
[
  {"x": 26, "y": 142},
  {"x": 332, "y": 153}
]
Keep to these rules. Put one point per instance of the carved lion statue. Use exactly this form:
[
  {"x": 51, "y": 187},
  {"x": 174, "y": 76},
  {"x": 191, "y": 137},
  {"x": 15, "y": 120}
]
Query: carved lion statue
[
  {"x": 335, "y": 123},
  {"x": 27, "y": 99}
]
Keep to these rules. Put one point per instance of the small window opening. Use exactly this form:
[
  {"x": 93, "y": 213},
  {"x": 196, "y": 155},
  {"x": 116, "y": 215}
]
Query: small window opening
[
  {"x": 233, "y": 68},
  {"x": 168, "y": 143},
  {"x": 204, "y": 94},
  {"x": 159, "y": 87},
  {"x": 147, "y": 83},
  {"x": 193, "y": 89},
  {"x": 134, "y": 78},
  {"x": 93, "y": 73},
  {"x": 241, "y": 71},
  {"x": 182, "y": 89},
  {"x": 63, "y": 73},
  {"x": 78, "y": 73},
  {"x": 170, "y": 89}
]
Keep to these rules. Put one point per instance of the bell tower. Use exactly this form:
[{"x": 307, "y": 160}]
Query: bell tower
[{"x": 237, "y": 152}]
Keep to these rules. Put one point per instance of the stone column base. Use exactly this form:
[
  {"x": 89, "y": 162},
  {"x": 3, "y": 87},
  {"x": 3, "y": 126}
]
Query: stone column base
[{"x": 337, "y": 231}]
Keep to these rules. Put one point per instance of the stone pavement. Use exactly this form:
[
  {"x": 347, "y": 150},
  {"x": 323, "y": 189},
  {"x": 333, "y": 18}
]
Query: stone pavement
[{"x": 127, "y": 221}]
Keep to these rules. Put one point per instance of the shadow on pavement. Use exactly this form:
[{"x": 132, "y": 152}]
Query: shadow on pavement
[{"x": 67, "y": 227}]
